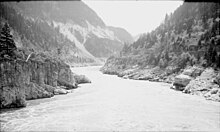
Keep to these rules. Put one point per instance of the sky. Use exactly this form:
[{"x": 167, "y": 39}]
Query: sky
[{"x": 134, "y": 16}]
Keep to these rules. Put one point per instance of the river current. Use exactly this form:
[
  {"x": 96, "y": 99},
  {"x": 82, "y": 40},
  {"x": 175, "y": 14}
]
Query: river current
[{"x": 111, "y": 103}]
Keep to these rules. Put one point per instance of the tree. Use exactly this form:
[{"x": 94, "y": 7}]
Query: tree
[
  {"x": 218, "y": 61},
  {"x": 166, "y": 56},
  {"x": 7, "y": 44},
  {"x": 59, "y": 51}
]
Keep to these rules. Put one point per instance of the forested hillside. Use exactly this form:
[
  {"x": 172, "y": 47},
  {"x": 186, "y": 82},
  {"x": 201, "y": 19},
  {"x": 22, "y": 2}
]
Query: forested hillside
[
  {"x": 187, "y": 37},
  {"x": 67, "y": 30}
]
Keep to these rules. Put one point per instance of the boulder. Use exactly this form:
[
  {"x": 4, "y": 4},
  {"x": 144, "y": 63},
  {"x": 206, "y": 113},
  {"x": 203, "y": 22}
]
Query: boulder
[
  {"x": 135, "y": 76},
  {"x": 81, "y": 79},
  {"x": 214, "y": 91},
  {"x": 60, "y": 91},
  {"x": 69, "y": 91},
  {"x": 217, "y": 79},
  {"x": 63, "y": 87},
  {"x": 181, "y": 81},
  {"x": 203, "y": 85},
  {"x": 193, "y": 71},
  {"x": 156, "y": 79},
  {"x": 125, "y": 77},
  {"x": 214, "y": 97},
  {"x": 145, "y": 76}
]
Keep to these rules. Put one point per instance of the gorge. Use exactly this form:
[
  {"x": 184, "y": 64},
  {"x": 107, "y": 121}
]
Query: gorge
[
  {"x": 105, "y": 79},
  {"x": 47, "y": 39}
]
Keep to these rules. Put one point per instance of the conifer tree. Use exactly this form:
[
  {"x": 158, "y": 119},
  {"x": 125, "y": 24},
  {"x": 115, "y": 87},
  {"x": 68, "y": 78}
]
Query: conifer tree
[{"x": 7, "y": 44}]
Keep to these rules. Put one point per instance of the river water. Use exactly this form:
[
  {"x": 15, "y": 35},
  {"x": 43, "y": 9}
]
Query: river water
[{"x": 110, "y": 103}]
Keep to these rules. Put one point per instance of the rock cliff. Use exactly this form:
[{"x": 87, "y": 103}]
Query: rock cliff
[{"x": 32, "y": 79}]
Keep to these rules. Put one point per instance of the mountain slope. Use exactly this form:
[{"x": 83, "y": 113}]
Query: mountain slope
[
  {"x": 192, "y": 31},
  {"x": 184, "y": 50},
  {"x": 122, "y": 34},
  {"x": 69, "y": 30}
]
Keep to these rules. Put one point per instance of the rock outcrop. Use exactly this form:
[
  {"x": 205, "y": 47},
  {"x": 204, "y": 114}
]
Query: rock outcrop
[
  {"x": 13, "y": 79},
  {"x": 36, "y": 78},
  {"x": 204, "y": 85},
  {"x": 81, "y": 79},
  {"x": 182, "y": 80},
  {"x": 34, "y": 91},
  {"x": 26, "y": 75}
]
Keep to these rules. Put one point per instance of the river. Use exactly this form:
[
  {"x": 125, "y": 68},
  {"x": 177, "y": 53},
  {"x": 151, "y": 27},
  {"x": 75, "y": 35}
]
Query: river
[{"x": 111, "y": 103}]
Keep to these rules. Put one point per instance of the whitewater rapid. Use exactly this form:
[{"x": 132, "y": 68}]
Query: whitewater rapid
[{"x": 111, "y": 103}]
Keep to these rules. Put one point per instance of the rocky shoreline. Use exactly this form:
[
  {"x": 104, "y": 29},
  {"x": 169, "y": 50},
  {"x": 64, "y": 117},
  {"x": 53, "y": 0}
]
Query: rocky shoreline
[
  {"x": 195, "y": 80},
  {"x": 35, "y": 78}
]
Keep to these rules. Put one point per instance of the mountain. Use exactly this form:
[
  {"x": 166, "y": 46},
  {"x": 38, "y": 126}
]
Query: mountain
[
  {"x": 122, "y": 34},
  {"x": 69, "y": 30},
  {"x": 192, "y": 31}
]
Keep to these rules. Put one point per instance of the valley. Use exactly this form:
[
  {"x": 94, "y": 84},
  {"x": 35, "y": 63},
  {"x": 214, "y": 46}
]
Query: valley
[{"x": 63, "y": 69}]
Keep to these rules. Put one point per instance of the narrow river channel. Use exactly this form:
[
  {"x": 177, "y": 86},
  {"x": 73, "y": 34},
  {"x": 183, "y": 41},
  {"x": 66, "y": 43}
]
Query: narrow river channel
[{"x": 111, "y": 103}]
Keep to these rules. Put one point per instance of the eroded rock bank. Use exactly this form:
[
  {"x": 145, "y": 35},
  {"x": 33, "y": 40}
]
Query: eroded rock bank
[
  {"x": 194, "y": 80},
  {"x": 37, "y": 77},
  {"x": 207, "y": 85}
]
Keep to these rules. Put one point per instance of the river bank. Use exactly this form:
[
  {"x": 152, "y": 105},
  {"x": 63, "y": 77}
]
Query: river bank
[
  {"x": 195, "y": 80},
  {"x": 30, "y": 75},
  {"x": 111, "y": 103}
]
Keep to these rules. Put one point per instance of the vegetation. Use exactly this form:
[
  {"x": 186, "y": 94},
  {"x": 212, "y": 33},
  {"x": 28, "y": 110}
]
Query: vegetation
[
  {"x": 189, "y": 36},
  {"x": 7, "y": 44}
]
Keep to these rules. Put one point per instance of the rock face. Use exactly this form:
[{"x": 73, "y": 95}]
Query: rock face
[
  {"x": 33, "y": 79},
  {"x": 204, "y": 85},
  {"x": 12, "y": 91},
  {"x": 12, "y": 96},
  {"x": 34, "y": 91}
]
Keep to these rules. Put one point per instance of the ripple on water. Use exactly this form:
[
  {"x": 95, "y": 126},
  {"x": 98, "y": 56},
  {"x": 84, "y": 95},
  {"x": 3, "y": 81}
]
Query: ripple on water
[{"x": 115, "y": 104}]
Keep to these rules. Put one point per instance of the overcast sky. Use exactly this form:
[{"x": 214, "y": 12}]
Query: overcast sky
[{"x": 134, "y": 16}]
